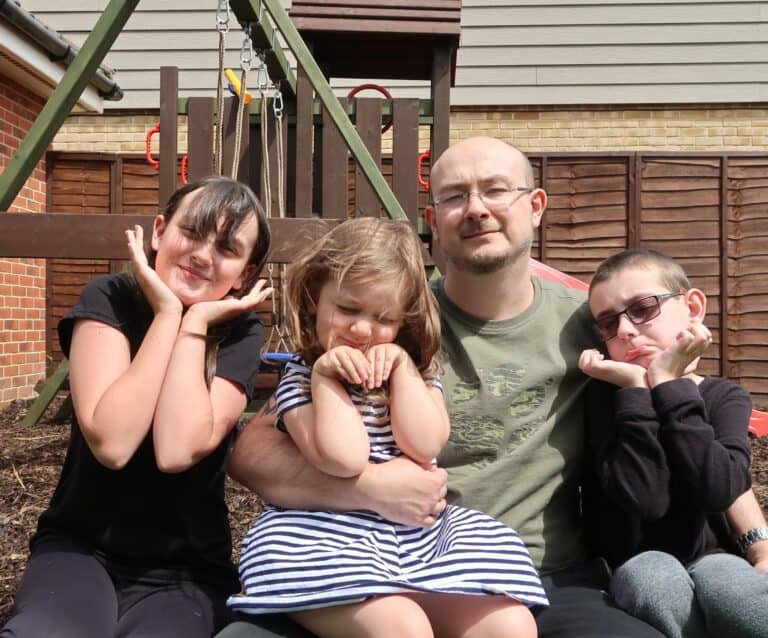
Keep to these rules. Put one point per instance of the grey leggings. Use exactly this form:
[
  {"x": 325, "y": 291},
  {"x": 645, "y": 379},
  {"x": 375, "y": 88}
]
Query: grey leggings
[
  {"x": 67, "y": 593},
  {"x": 718, "y": 595}
]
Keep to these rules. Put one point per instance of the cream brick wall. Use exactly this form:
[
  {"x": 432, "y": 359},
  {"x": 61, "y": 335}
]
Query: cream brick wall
[
  {"x": 113, "y": 133},
  {"x": 609, "y": 129},
  {"x": 532, "y": 129}
]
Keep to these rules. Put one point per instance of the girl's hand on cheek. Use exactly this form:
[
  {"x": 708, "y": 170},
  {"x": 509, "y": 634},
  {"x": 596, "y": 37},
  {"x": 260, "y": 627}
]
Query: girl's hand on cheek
[
  {"x": 344, "y": 364},
  {"x": 384, "y": 358},
  {"x": 217, "y": 311},
  {"x": 624, "y": 375},
  {"x": 681, "y": 357},
  {"x": 158, "y": 294}
]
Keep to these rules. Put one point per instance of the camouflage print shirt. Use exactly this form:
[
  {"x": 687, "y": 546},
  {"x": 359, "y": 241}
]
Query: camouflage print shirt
[{"x": 515, "y": 397}]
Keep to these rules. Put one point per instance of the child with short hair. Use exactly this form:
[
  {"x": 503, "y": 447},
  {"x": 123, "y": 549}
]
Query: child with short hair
[
  {"x": 136, "y": 540},
  {"x": 670, "y": 455},
  {"x": 365, "y": 388}
]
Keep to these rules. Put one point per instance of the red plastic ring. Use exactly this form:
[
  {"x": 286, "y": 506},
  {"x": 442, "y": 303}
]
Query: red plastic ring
[{"x": 380, "y": 89}]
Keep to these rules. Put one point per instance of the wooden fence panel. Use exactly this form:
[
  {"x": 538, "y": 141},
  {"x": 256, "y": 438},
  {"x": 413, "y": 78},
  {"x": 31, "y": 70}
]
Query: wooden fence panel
[
  {"x": 75, "y": 185},
  {"x": 747, "y": 247},
  {"x": 708, "y": 211},
  {"x": 585, "y": 220},
  {"x": 680, "y": 216}
]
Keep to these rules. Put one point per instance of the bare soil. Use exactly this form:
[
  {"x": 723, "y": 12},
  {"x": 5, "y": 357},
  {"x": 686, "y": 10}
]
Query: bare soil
[{"x": 31, "y": 459}]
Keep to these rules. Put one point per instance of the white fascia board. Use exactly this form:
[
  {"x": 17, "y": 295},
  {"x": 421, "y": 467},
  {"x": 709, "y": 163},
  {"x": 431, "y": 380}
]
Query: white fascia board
[{"x": 31, "y": 67}]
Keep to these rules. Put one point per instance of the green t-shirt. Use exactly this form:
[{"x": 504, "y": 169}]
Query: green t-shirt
[{"x": 514, "y": 394}]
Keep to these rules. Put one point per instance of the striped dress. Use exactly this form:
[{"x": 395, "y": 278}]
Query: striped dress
[{"x": 294, "y": 560}]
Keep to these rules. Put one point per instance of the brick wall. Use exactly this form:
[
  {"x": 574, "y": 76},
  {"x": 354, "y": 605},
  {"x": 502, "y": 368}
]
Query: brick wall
[
  {"x": 698, "y": 128},
  {"x": 22, "y": 281},
  {"x": 113, "y": 133},
  {"x": 679, "y": 128}
]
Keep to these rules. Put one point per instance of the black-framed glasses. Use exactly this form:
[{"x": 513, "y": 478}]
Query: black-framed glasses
[
  {"x": 495, "y": 198},
  {"x": 638, "y": 312}
]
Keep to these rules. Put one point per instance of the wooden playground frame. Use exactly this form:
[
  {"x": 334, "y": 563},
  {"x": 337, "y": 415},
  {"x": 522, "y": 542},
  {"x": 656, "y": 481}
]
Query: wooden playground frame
[{"x": 321, "y": 131}]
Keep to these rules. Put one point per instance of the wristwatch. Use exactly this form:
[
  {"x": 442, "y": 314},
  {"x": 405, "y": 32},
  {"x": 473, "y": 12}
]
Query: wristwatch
[{"x": 751, "y": 537}]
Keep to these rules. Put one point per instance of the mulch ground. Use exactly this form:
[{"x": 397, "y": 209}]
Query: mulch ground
[{"x": 31, "y": 459}]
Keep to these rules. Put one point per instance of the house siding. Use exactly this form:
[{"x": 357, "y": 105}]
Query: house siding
[{"x": 512, "y": 53}]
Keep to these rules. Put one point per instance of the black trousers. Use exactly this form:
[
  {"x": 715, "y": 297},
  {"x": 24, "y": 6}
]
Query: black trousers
[{"x": 67, "y": 593}]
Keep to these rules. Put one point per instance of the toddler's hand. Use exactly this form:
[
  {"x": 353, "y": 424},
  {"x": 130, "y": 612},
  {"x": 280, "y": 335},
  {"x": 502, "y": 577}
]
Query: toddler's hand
[
  {"x": 681, "y": 357},
  {"x": 344, "y": 364},
  {"x": 384, "y": 358},
  {"x": 158, "y": 294},
  {"x": 624, "y": 375},
  {"x": 212, "y": 312}
]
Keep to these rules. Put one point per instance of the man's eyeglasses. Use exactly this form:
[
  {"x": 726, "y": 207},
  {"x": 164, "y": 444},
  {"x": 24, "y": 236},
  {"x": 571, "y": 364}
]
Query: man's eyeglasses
[
  {"x": 495, "y": 199},
  {"x": 638, "y": 312}
]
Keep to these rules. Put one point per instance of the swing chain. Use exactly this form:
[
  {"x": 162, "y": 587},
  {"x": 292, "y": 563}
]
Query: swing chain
[
  {"x": 246, "y": 53},
  {"x": 222, "y": 16},
  {"x": 277, "y": 103},
  {"x": 262, "y": 75}
]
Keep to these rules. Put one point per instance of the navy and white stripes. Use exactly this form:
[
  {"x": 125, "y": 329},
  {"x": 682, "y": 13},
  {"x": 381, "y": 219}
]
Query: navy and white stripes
[{"x": 295, "y": 560}]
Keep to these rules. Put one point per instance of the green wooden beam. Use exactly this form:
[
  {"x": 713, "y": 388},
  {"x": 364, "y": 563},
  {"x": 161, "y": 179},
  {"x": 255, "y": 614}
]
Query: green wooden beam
[
  {"x": 63, "y": 99},
  {"x": 264, "y": 37},
  {"x": 339, "y": 116},
  {"x": 47, "y": 394}
]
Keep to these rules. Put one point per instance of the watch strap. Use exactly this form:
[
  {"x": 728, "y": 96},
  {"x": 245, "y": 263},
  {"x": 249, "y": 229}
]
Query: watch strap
[{"x": 751, "y": 537}]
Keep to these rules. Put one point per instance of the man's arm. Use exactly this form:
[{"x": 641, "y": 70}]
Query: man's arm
[
  {"x": 266, "y": 461},
  {"x": 744, "y": 515}
]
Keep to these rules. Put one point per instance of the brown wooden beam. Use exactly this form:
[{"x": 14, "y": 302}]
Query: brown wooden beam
[
  {"x": 302, "y": 185},
  {"x": 169, "y": 95},
  {"x": 99, "y": 236}
]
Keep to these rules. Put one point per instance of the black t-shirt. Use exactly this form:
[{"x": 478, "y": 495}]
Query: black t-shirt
[
  {"x": 664, "y": 464},
  {"x": 141, "y": 522}
]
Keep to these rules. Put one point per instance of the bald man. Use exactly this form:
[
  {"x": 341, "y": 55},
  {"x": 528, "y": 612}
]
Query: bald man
[{"x": 514, "y": 394}]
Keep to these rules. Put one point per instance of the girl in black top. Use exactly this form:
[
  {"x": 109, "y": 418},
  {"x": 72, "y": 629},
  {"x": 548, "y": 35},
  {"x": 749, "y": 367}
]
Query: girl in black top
[{"x": 136, "y": 540}]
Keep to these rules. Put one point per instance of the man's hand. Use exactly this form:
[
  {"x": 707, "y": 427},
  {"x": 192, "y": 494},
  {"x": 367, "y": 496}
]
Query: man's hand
[
  {"x": 405, "y": 492},
  {"x": 681, "y": 357},
  {"x": 757, "y": 555},
  {"x": 624, "y": 375}
]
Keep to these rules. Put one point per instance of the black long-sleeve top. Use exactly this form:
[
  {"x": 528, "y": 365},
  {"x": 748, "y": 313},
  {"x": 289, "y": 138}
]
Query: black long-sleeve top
[{"x": 663, "y": 466}]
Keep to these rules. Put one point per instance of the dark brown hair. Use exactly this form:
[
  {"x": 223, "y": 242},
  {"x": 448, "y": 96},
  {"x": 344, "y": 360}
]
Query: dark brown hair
[
  {"x": 671, "y": 274},
  {"x": 220, "y": 196}
]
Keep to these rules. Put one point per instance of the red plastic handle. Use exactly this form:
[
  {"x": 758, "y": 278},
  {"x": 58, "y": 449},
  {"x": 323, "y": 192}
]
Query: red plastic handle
[
  {"x": 150, "y": 160},
  {"x": 422, "y": 182}
]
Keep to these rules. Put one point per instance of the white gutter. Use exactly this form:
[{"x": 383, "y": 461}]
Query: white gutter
[{"x": 33, "y": 69}]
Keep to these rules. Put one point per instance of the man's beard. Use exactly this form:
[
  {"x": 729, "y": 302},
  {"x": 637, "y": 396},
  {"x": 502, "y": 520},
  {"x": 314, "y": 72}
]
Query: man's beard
[{"x": 485, "y": 264}]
